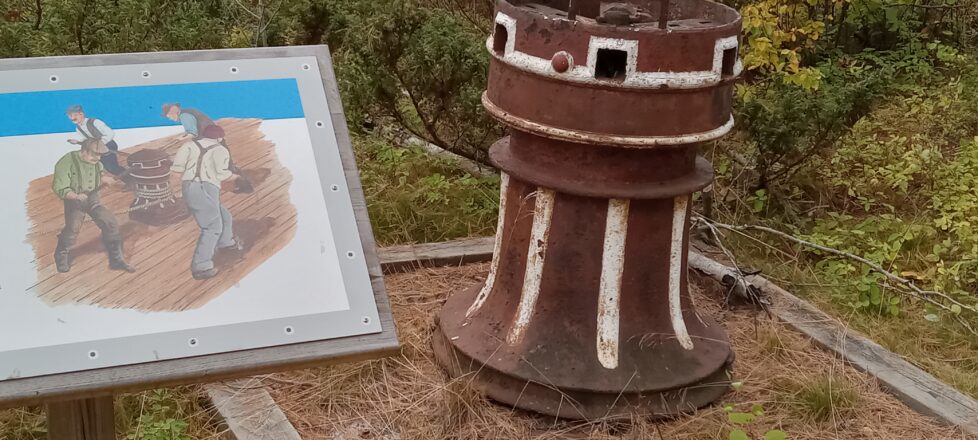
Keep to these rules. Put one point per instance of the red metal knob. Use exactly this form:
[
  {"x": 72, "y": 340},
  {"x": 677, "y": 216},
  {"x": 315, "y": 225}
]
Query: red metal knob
[{"x": 562, "y": 62}]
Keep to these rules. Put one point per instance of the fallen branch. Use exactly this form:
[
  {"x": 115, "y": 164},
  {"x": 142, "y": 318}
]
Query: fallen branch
[
  {"x": 738, "y": 285},
  {"x": 907, "y": 285}
]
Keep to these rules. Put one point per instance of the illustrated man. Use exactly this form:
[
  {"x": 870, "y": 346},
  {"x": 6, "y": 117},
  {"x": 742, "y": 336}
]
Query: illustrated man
[
  {"x": 199, "y": 126},
  {"x": 205, "y": 163},
  {"x": 77, "y": 179},
  {"x": 92, "y": 128}
]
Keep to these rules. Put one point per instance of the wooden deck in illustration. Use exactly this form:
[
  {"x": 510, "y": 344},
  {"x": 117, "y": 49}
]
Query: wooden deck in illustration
[{"x": 264, "y": 219}]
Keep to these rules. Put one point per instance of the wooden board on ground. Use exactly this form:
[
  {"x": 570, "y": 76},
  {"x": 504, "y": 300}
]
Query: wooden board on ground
[
  {"x": 249, "y": 411},
  {"x": 452, "y": 253}
]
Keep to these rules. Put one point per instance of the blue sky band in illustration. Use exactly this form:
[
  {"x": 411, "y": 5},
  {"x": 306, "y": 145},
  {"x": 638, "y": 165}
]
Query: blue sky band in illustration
[{"x": 33, "y": 113}]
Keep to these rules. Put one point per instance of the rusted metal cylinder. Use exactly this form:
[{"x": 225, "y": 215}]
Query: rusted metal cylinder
[
  {"x": 154, "y": 202},
  {"x": 585, "y": 312}
]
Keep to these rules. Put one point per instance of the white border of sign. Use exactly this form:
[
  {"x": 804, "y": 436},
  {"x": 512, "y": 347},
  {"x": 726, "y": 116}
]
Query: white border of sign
[{"x": 365, "y": 330}]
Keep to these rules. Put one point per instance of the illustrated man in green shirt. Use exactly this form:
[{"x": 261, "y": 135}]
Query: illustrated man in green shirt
[{"x": 77, "y": 179}]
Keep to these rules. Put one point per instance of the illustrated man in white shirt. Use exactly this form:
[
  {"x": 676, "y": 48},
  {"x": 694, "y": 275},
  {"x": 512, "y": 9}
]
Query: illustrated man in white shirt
[
  {"x": 96, "y": 129},
  {"x": 203, "y": 164}
]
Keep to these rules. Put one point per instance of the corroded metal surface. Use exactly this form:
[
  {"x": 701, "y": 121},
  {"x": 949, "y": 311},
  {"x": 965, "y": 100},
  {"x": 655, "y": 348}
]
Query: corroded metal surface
[{"x": 586, "y": 311}]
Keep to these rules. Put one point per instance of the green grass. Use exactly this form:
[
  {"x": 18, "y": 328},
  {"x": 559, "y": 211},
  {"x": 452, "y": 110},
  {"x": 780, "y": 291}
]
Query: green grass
[
  {"x": 172, "y": 414},
  {"x": 414, "y": 198},
  {"x": 898, "y": 189},
  {"x": 821, "y": 398}
]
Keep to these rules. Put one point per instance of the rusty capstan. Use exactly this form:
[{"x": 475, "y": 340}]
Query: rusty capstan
[{"x": 586, "y": 311}]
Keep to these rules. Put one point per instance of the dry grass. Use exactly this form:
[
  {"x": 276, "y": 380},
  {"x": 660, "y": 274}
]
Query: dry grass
[
  {"x": 824, "y": 397},
  {"x": 410, "y": 397},
  {"x": 942, "y": 349}
]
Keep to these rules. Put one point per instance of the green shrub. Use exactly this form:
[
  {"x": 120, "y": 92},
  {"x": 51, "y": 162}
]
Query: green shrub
[{"x": 415, "y": 198}]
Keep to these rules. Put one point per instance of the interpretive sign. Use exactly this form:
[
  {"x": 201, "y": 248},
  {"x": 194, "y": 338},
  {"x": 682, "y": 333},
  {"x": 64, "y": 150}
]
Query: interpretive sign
[{"x": 178, "y": 217}]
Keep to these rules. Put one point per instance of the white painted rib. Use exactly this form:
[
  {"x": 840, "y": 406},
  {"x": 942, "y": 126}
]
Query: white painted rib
[
  {"x": 510, "y": 24},
  {"x": 719, "y": 47},
  {"x": 535, "y": 257},
  {"x": 612, "y": 266},
  {"x": 675, "y": 272},
  {"x": 480, "y": 299}
]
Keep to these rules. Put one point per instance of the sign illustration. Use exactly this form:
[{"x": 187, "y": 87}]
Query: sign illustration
[{"x": 174, "y": 206}]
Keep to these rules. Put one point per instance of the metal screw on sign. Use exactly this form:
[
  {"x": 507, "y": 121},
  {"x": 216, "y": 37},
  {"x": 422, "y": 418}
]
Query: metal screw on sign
[{"x": 585, "y": 312}]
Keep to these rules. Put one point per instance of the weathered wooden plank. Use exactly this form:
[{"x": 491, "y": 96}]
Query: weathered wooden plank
[
  {"x": 86, "y": 419},
  {"x": 355, "y": 188},
  {"x": 249, "y": 411},
  {"x": 203, "y": 369},
  {"x": 913, "y": 386},
  {"x": 453, "y": 253}
]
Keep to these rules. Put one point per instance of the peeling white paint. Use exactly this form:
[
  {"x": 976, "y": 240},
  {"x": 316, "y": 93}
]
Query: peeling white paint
[
  {"x": 721, "y": 45},
  {"x": 480, "y": 299},
  {"x": 634, "y": 79},
  {"x": 612, "y": 267},
  {"x": 630, "y": 47},
  {"x": 578, "y": 136},
  {"x": 675, "y": 272},
  {"x": 535, "y": 257},
  {"x": 510, "y": 24}
]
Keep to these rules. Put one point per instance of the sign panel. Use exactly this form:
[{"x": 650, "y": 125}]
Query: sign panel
[{"x": 167, "y": 206}]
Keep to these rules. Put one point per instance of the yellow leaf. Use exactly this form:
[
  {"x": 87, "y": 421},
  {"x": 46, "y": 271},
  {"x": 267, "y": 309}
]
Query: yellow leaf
[{"x": 914, "y": 275}]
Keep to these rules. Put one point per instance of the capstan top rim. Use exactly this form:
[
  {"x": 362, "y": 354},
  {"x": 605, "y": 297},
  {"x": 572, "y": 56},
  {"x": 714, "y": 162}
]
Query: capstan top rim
[{"x": 722, "y": 18}]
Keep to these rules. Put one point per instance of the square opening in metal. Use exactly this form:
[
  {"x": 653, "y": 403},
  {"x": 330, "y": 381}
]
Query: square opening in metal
[
  {"x": 611, "y": 64},
  {"x": 729, "y": 60},
  {"x": 499, "y": 39}
]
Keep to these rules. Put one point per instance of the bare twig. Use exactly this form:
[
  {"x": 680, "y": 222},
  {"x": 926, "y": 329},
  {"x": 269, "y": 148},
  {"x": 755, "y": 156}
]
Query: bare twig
[
  {"x": 914, "y": 5},
  {"x": 741, "y": 285},
  {"x": 245, "y": 8}
]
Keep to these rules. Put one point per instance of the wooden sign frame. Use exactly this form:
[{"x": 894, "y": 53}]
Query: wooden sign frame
[{"x": 213, "y": 367}]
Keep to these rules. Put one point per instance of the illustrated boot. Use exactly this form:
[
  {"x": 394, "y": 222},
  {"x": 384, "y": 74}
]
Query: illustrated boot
[
  {"x": 62, "y": 259},
  {"x": 205, "y": 274},
  {"x": 116, "y": 259},
  {"x": 238, "y": 245}
]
